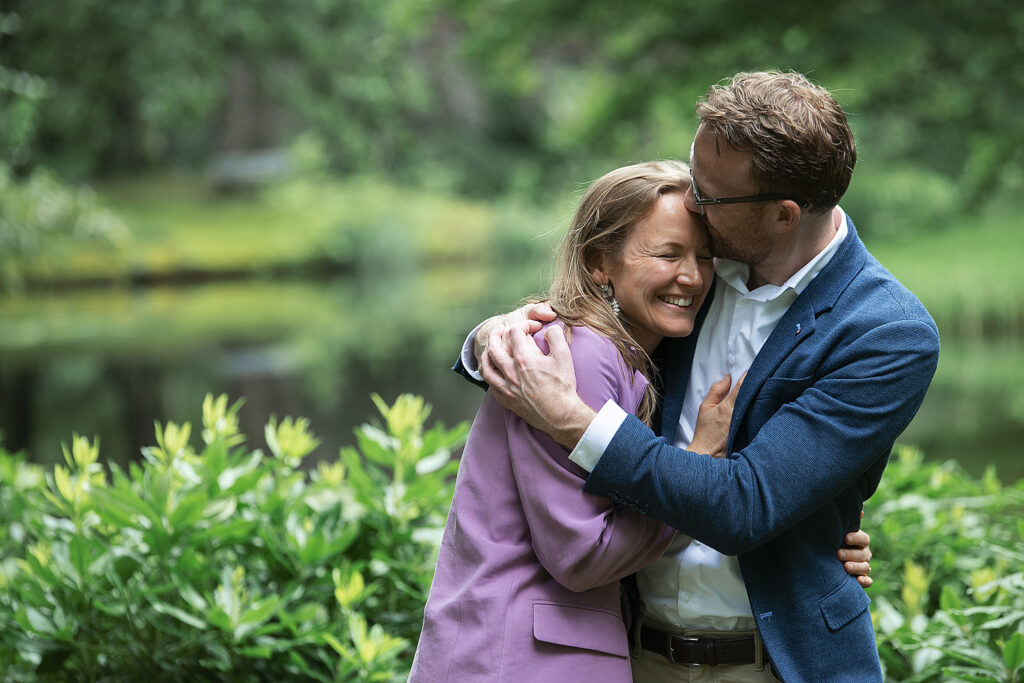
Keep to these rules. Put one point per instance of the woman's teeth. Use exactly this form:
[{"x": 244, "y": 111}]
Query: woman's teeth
[{"x": 677, "y": 300}]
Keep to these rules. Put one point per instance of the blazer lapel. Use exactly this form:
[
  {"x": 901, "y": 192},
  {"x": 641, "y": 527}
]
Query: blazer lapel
[
  {"x": 799, "y": 321},
  {"x": 678, "y": 359}
]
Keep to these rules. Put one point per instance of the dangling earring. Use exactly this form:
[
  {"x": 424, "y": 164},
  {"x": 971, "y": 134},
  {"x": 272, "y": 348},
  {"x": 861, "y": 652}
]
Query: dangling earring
[{"x": 609, "y": 295}]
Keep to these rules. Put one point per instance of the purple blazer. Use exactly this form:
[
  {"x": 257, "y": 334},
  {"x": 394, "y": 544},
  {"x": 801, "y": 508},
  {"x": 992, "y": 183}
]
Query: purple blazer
[{"x": 527, "y": 579}]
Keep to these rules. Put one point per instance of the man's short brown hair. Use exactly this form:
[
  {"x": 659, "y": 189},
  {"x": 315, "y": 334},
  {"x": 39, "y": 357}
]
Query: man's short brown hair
[{"x": 801, "y": 143}]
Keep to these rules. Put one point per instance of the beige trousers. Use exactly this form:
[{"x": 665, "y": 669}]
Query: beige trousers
[{"x": 650, "y": 667}]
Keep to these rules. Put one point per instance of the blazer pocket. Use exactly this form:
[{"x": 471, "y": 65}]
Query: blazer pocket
[
  {"x": 779, "y": 390},
  {"x": 844, "y": 604},
  {"x": 589, "y": 628}
]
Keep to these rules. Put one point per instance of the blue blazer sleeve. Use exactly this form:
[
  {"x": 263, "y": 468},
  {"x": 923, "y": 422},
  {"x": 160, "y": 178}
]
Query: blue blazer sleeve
[
  {"x": 818, "y": 429},
  {"x": 460, "y": 369}
]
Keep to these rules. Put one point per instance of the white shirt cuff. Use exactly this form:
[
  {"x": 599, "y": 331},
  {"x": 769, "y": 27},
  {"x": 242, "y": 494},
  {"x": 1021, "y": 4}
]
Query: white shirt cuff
[
  {"x": 598, "y": 435},
  {"x": 468, "y": 359}
]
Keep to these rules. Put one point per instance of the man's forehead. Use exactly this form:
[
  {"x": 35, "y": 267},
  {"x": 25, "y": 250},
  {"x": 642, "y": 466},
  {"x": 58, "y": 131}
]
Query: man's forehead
[{"x": 720, "y": 167}]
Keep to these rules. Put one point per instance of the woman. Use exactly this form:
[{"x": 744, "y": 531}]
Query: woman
[{"x": 526, "y": 587}]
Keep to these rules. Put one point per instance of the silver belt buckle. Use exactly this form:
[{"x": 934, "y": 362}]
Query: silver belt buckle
[{"x": 690, "y": 639}]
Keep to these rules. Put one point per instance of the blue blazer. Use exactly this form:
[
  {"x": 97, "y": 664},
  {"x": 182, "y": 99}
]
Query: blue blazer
[{"x": 832, "y": 388}]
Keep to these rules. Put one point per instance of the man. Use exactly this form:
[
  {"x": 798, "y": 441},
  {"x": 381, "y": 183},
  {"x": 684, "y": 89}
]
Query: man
[{"x": 838, "y": 356}]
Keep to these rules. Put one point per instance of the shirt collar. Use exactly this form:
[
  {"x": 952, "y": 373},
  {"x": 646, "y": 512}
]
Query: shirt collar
[{"x": 735, "y": 274}]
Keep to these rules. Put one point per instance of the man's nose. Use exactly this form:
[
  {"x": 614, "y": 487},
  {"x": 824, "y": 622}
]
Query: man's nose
[{"x": 690, "y": 202}]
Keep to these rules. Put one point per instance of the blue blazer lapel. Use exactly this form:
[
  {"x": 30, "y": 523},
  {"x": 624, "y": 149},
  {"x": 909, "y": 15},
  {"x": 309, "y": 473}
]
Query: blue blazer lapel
[
  {"x": 798, "y": 324},
  {"x": 678, "y": 359}
]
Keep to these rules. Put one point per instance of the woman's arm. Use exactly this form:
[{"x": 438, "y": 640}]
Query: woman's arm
[{"x": 583, "y": 541}]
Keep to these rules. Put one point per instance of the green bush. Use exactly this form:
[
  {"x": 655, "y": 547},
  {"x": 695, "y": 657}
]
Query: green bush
[
  {"x": 43, "y": 221},
  {"x": 948, "y": 599},
  {"x": 224, "y": 563},
  {"x": 232, "y": 564}
]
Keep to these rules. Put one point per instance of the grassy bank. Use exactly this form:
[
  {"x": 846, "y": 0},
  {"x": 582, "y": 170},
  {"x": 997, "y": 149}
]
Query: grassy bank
[
  {"x": 179, "y": 224},
  {"x": 968, "y": 274}
]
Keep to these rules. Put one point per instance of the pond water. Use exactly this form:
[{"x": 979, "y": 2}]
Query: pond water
[{"x": 109, "y": 362}]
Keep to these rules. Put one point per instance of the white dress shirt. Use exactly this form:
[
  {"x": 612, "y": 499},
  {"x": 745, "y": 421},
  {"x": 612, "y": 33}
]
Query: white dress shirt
[{"x": 692, "y": 585}]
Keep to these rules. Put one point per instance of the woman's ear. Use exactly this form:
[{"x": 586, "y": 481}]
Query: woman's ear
[{"x": 599, "y": 276}]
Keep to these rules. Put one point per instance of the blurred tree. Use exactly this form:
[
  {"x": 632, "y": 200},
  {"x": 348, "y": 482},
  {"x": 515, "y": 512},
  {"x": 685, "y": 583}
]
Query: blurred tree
[
  {"x": 493, "y": 96},
  {"x": 20, "y": 97},
  {"x": 933, "y": 82}
]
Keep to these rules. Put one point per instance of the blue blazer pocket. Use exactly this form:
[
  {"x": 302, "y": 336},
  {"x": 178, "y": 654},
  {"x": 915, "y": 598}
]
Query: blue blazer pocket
[
  {"x": 582, "y": 626},
  {"x": 844, "y": 604},
  {"x": 779, "y": 390}
]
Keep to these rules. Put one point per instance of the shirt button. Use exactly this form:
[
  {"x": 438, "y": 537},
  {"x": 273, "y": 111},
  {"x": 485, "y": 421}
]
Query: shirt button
[
  {"x": 732, "y": 359},
  {"x": 685, "y": 596}
]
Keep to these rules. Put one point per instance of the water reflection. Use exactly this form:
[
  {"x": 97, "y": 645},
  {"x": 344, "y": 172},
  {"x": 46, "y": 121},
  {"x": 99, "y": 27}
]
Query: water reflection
[{"x": 110, "y": 362}]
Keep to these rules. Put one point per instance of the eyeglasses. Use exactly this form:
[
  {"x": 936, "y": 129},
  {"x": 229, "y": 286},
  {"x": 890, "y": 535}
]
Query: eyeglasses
[{"x": 704, "y": 201}]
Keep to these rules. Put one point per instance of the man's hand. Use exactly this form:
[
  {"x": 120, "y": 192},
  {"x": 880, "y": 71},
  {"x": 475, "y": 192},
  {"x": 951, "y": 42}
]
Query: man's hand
[
  {"x": 540, "y": 389},
  {"x": 856, "y": 557},
  {"x": 529, "y": 319}
]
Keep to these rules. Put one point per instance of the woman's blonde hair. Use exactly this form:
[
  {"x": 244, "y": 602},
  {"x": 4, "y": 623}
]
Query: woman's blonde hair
[{"x": 606, "y": 215}]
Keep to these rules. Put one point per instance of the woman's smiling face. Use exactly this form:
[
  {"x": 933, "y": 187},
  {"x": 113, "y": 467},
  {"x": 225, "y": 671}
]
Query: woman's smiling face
[{"x": 663, "y": 273}]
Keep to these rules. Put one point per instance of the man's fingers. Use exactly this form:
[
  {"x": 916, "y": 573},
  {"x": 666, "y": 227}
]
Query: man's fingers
[
  {"x": 854, "y": 554},
  {"x": 857, "y": 538},
  {"x": 530, "y": 318},
  {"x": 540, "y": 312},
  {"x": 498, "y": 358},
  {"x": 857, "y": 568},
  {"x": 483, "y": 334},
  {"x": 865, "y": 581},
  {"x": 535, "y": 315},
  {"x": 521, "y": 344},
  {"x": 558, "y": 348},
  {"x": 491, "y": 375}
]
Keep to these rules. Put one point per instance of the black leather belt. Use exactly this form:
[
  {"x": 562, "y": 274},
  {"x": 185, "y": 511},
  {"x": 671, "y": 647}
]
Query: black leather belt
[{"x": 700, "y": 650}]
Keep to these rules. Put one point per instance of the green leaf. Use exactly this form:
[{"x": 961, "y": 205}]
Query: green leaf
[
  {"x": 434, "y": 462},
  {"x": 219, "y": 618},
  {"x": 112, "y": 609},
  {"x": 949, "y": 599},
  {"x": 80, "y": 551},
  {"x": 1013, "y": 652},
  {"x": 191, "y": 595},
  {"x": 220, "y": 509},
  {"x": 189, "y": 509},
  {"x": 179, "y": 614},
  {"x": 33, "y": 621},
  {"x": 964, "y": 674},
  {"x": 261, "y": 610},
  {"x": 126, "y": 503},
  {"x": 377, "y": 445},
  {"x": 230, "y": 477},
  {"x": 257, "y": 652}
]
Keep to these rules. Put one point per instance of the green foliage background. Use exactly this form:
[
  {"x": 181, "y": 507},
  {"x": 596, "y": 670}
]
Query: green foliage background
[
  {"x": 490, "y": 96},
  {"x": 423, "y": 146},
  {"x": 226, "y": 563}
]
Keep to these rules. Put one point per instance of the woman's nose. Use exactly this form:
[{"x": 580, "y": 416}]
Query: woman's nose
[{"x": 689, "y": 274}]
